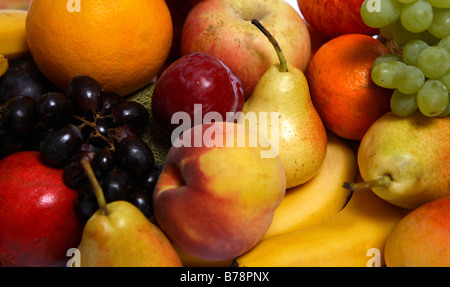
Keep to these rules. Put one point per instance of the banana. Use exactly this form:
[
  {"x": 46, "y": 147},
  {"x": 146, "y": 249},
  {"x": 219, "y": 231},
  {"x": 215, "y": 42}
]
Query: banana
[
  {"x": 12, "y": 34},
  {"x": 4, "y": 64},
  {"x": 344, "y": 240},
  {"x": 322, "y": 196}
]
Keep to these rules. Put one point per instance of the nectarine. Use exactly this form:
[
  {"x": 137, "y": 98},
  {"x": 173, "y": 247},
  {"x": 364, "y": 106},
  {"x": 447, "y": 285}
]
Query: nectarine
[
  {"x": 421, "y": 238},
  {"x": 216, "y": 200}
]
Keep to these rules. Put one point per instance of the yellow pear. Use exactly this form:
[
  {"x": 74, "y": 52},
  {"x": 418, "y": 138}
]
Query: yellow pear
[
  {"x": 119, "y": 235},
  {"x": 406, "y": 160},
  {"x": 281, "y": 110}
]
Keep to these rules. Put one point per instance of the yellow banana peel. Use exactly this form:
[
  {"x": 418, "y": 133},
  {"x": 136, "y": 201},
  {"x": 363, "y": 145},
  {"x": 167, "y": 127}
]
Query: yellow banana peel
[
  {"x": 322, "y": 196},
  {"x": 12, "y": 34},
  {"x": 350, "y": 238}
]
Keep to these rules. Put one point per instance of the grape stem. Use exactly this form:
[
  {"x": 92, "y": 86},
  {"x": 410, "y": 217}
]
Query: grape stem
[
  {"x": 382, "y": 181},
  {"x": 273, "y": 41},
  {"x": 95, "y": 132},
  {"x": 95, "y": 186}
]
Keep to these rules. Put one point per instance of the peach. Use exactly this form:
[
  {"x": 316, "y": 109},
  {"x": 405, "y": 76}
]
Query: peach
[
  {"x": 421, "y": 238},
  {"x": 217, "y": 193}
]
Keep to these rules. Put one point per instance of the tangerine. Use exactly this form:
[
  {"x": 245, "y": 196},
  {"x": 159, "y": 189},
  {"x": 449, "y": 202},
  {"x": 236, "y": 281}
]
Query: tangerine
[
  {"x": 121, "y": 44},
  {"x": 342, "y": 90}
]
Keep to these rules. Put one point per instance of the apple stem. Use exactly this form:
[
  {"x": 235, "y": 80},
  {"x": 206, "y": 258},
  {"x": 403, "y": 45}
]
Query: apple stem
[
  {"x": 382, "y": 181},
  {"x": 283, "y": 63},
  {"x": 95, "y": 186}
]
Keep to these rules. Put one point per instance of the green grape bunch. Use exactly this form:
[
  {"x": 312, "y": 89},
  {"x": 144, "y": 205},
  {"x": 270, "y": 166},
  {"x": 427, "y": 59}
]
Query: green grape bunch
[{"x": 420, "y": 74}]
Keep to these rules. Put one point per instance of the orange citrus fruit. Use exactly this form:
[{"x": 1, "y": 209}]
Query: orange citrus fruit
[
  {"x": 342, "y": 90},
  {"x": 122, "y": 44}
]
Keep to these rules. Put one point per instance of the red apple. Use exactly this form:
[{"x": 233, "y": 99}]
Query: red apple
[
  {"x": 335, "y": 17},
  {"x": 196, "y": 84},
  {"x": 38, "y": 222},
  {"x": 223, "y": 28}
]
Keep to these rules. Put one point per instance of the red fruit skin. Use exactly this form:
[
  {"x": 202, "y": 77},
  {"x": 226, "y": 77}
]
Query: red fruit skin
[
  {"x": 38, "y": 222},
  {"x": 196, "y": 78},
  {"x": 333, "y": 18}
]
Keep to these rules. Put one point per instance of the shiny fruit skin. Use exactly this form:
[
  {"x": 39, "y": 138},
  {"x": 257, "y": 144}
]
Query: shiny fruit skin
[
  {"x": 38, "y": 222},
  {"x": 196, "y": 78},
  {"x": 23, "y": 78}
]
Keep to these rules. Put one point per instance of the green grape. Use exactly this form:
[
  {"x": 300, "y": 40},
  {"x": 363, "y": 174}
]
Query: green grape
[
  {"x": 384, "y": 74},
  {"x": 445, "y": 43},
  {"x": 432, "y": 98},
  {"x": 406, "y": 1},
  {"x": 445, "y": 79},
  {"x": 433, "y": 61},
  {"x": 380, "y": 13},
  {"x": 412, "y": 50},
  {"x": 446, "y": 111},
  {"x": 387, "y": 57},
  {"x": 410, "y": 80},
  {"x": 439, "y": 3},
  {"x": 403, "y": 104},
  {"x": 417, "y": 17},
  {"x": 403, "y": 36},
  {"x": 440, "y": 27}
]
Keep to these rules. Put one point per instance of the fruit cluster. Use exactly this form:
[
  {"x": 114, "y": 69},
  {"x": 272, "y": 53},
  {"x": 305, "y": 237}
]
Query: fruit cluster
[
  {"x": 420, "y": 73},
  {"x": 86, "y": 122},
  {"x": 249, "y": 147}
]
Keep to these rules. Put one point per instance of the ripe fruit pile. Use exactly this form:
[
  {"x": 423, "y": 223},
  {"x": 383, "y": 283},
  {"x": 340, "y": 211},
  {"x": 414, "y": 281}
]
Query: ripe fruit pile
[
  {"x": 420, "y": 75},
  {"x": 86, "y": 122},
  {"x": 276, "y": 185}
]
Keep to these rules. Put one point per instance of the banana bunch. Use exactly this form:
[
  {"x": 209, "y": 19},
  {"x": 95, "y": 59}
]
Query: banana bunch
[
  {"x": 320, "y": 197},
  {"x": 12, "y": 34},
  {"x": 346, "y": 239}
]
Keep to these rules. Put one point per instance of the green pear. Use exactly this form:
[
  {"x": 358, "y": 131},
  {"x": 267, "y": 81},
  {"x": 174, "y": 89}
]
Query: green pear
[
  {"x": 280, "y": 109},
  {"x": 406, "y": 160},
  {"x": 119, "y": 235}
]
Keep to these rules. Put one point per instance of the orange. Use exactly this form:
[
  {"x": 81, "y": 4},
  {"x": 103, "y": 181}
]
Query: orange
[
  {"x": 342, "y": 90},
  {"x": 122, "y": 44}
]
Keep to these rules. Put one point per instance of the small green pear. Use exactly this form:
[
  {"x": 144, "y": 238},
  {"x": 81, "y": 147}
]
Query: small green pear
[
  {"x": 281, "y": 110},
  {"x": 119, "y": 235},
  {"x": 406, "y": 160}
]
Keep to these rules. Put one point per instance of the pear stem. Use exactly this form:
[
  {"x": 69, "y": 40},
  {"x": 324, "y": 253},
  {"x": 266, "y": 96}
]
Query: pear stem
[
  {"x": 283, "y": 63},
  {"x": 95, "y": 186},
  {"x": 382, "y": 181}
]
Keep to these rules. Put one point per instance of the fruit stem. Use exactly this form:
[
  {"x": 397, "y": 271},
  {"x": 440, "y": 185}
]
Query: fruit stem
[
  {"x": 382, "y": 181},
  {"x": 95, "y": 133},
  {"x": 95, "y": 186},
  {"x": 283, "y": 63}
]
